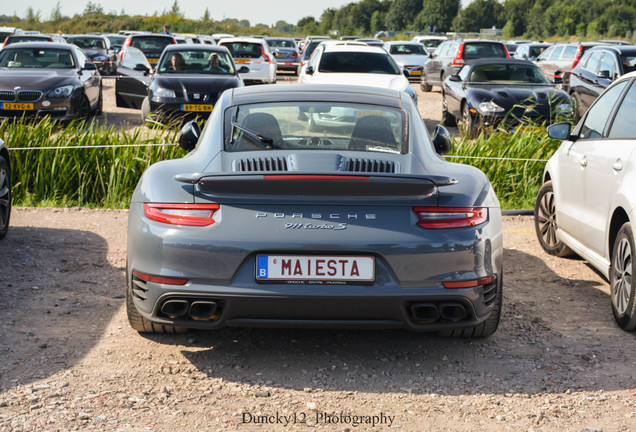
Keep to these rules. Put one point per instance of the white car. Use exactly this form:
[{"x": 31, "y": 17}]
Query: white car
[
  {"x": 354, "y": 63},
  {"x": 587, "y": 201},
  {"x": 430, "y": 42},
  {"x": 411, "y": 56},
  {"x": 256, "y": 55}
]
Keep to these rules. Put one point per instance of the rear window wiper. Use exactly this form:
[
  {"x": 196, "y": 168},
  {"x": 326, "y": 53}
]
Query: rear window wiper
[{"x": 254, "y": 136}]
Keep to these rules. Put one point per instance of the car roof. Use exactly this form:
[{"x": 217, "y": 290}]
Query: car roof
[
  {"x": 619, "y": 49},
  {"x": 195, "y": 47},
  {"x": 145, "y": 35},
  {"x": 317, "y": 93},
  {"x": 343, "y": 46},
  {"x": 242, "y": 39},
  {"x": 402, "y": 42},
  {"x": 56, "y": 45}
]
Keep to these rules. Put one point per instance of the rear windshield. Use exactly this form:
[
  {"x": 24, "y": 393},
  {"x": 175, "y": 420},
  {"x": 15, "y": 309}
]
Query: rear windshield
[
  {"x": 14, "y": 39},
  {"x": 196, "y": 61},
  {"x": 281, "y": 43},
  {"x": 358, "y": 62},
  {"x": 88, "y": 43},
  {"x": 116, "y": 40},
  {"x": 474, "y": 50},
  {"x": 36, "y": 58},
  {"x": 316, "y": 126},
  {"x": 151, "y": 43},
  {"x": 406, "y": 49},
  {"x": 244, "y": 49}
]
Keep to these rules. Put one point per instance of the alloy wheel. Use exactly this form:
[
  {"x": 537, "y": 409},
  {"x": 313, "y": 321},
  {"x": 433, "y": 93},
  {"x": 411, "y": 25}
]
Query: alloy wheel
[
  {"x": 546, "y": 217},
  {"x": 622, "y": 280}
]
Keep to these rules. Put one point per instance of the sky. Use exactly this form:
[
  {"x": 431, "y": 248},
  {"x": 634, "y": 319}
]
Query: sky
[{"x": 255, "y": 11}]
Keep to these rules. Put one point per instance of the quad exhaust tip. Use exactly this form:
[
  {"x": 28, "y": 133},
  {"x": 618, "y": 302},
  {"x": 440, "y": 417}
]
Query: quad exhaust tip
[
  {"x": 175, "y": 308},
  {"x": 202, "y": 310},
  {"x": 431, "y": 312},
  {"x": 196, "y": 310}
]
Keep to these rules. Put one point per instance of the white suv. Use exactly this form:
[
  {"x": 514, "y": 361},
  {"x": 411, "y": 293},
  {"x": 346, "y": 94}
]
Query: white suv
[
  {"x": 256, "y": 55},
  {"x": 355, "y": 63},
  {"x": 587, "y": 201}
]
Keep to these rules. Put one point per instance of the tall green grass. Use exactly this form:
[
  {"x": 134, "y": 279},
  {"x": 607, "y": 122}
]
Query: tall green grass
[
  {"x": 105, "y": 177},
  {"x": 517, "y": 179},
  {"x": 49, "y": 171}
]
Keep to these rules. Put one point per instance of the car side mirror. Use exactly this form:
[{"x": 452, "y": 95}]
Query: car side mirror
[
  {"x": 455, "y": 78},
  {"x": 189, "y": 136},
  {"x": 244, "y": 69},
  {"x": 309, "y": 70},
  {"x": 90, "y": 66},
  {"x": 560, "y": 131},
  {"x": 442, "y": 140},
  {"x": 142, "y": 68},
  {"x": 604, "y": 74}
]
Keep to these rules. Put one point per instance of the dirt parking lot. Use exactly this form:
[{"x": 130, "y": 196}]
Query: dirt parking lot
[{"x": 69, "y": 360}]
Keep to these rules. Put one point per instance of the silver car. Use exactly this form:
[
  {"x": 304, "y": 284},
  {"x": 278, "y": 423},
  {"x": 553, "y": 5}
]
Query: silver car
[
  {"x": 587, "y": 201},
  {"x": 265, "y": 223},
  {"x": 411, "y": 56}
]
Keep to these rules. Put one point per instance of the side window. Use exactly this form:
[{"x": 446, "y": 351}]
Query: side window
[
  {"x": 598, "y": 114},
  {"x": 569, "y": 52},
  {"x": 556, "y": 53},
  {"x": 546, "y": 54},
  {"x": 81, "y": 58},
  {"x": 463, "y": 73},
  {"x": 608, "y": 64},
  {"x": 593, "y": 61},
  {"x": 624, "y": 125},
  {"x": 315, "y": 56},
  {"x": 441, "y": 49}
]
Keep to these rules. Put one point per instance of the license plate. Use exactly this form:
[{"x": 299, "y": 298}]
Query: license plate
[
  {"x": 196, "y": 107},
  {"x": 153, "y": 59},
  {"x": 315, "y": 268},
  {"x": 242, "y": 61},
  {"x": 16, "y": 106},
  {"x": 413, "y": 73}
]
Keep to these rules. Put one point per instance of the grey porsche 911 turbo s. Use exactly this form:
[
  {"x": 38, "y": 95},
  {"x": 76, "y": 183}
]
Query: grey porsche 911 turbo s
[{"x": 267, "y": 224}]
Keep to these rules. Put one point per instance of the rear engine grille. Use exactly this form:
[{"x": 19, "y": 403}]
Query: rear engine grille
[
  {"x": 262, "y": 164},
  {"x": 369, "y": 165},
  {"x": 7, "y": 96},
  {"x": 29, "y": 96}
]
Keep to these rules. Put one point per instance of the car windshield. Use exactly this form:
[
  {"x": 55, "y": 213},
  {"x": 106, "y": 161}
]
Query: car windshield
[
  {"x": 474, "y": 50},
  {"x": 629, "y": 62},
  {"x": 358, "y": 62},
  {"x": 407, "y": 49},
  {"x": 88, "y": 43},
  {"x": 196, "y": 62},
  {"x": 508, "y": 74},
  {"x": 316, "y": 126},
  {"x": 244, "y": 49},
  {"x": 36, "y": 58},
  {"x": 431, "y": 43}
]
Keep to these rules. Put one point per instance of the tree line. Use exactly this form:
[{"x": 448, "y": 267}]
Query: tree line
[{"x": 533, "y": 19}]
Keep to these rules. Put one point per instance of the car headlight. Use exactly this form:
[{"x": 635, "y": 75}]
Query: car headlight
[
  {"x": 490, "y": 107},
  {"x": 163, "y": 93},
  {"x": 411, "y": 92},
  {"x": 61, "y": 92},
  {"x": 100, "y": 58},
  {"x": 564, "y": 108}
]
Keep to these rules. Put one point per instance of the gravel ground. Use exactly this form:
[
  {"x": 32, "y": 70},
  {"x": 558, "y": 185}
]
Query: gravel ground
[{"x": 69, "y": 360}]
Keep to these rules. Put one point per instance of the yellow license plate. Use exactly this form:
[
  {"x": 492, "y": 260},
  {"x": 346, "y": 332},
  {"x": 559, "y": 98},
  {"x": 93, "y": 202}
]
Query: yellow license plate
[
  {"x": 196, "y": 107},
  {"x": 16, "y": 106},
  {"x": 413, "y": 73},
  {"x": 360, "y": 114},
  {"x": 242, "y": 61}
]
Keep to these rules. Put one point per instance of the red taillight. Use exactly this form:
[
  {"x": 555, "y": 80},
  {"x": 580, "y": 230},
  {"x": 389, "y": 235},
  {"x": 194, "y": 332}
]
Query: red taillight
[
  {"x": 181, "y": 214},
  {"x": 450, "y": 217},
  {"x": 128, "y": 41},
  {"x": 159, "y": 279},
  {"x": 470, "y": 283},
  {"x": 265, "y": 56},
  {"x": 5, "y": 42},
  {"x": 577, "y": 57},
  {"x": 294, "y": 54},
  {"x": 459, "y": 60}
]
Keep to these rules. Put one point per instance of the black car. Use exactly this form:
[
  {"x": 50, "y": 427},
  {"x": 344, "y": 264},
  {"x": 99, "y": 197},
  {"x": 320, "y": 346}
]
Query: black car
[
  {"x": 5, "y": 189},
  {"x": 99, "y": 51},
  {"x": 15, "y": 38},
  {"x": 48, "y": 79},
  {"x": 489, "y": 91},
  {"x": 116, "y": 41},
  {"x": 152, "y": 45},
  {"x": 598, "y": 68},
  {"x": 451, "y": 55},
  {"x": 186, "y": 83}
]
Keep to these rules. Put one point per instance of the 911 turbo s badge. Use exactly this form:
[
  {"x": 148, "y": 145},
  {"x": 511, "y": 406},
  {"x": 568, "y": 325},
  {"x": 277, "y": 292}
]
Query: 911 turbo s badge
[{"x": 324, "y": 226}]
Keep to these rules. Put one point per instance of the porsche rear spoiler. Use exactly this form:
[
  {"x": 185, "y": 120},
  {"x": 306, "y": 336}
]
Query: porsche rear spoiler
[{"x": 328, "y": 187}]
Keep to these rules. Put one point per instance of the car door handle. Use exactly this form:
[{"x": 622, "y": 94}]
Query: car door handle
[
  {"x": 618, "y": 165},
  {"x": 583, "y": 161}
]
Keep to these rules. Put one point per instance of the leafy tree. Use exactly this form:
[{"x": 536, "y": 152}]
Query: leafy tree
[
  {"x": 402, "y": 14},
  {"x": 175, "y": 11},
  {"x": 437, "y": 15},
  {"x": 31, "y": 16},
  {"x": 56, "y": 13},
  {"x": 93, "y": 9},
  {"x": 284, "y": 26},
  {"x": 481, "y": 14},
  {"x": 206, "y": 15}
]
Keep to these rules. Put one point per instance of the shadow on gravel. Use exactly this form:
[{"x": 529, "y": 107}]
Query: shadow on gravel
[
  {"x": 556, "y": 335},
  {"x": 56, "y": 297}
]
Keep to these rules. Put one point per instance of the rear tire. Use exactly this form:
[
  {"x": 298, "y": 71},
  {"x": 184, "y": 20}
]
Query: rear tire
[
  {"x": 425, "y": 86},
  {"x": 622, "y": 282},
  {"x": 5, "y": 197},
  {"x": 145, "y": 109},
  {"x": 545, "y": 223},
  {"x": 84, "y": 108},
  {"x": 447, "y": 118}
]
